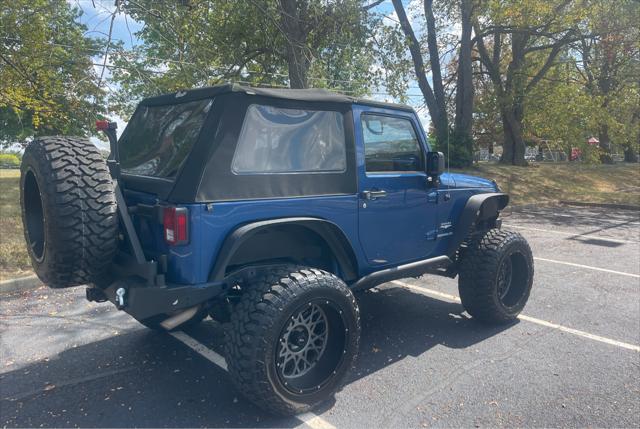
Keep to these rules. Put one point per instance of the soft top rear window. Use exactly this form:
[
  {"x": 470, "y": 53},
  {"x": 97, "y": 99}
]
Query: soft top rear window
[{"x": 158, "y": 139}]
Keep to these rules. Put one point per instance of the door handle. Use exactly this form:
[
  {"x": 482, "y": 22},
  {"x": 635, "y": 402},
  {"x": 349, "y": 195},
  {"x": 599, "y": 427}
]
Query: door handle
[{"x": 374, "y": 195}]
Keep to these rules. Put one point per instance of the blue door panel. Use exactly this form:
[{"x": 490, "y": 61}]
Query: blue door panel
[
  {"x": 401, "y": 226},
  {"x": 394, "y": 229}
]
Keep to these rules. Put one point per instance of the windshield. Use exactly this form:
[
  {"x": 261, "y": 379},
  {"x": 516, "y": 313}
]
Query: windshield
[{"x": 158, "y": 139}]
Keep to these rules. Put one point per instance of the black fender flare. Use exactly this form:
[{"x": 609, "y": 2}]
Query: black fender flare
[
  {"x": 479, "y": 207},
  {"x": 328, "y": 231}
]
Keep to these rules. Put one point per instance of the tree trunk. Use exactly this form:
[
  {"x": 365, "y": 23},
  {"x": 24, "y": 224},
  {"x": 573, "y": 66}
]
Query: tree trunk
[
  {"x": 605, "y": 144},
  {"x": 440, "y": 117},
  {"x": 434, "y": 98},
  {"x": 512, "y": 104},
  {"x": 298, "y": 68},
  {"x": 513, "y": 146},
  {"x": 464, "y": 89},
  {"x": 298, "y": 60}
]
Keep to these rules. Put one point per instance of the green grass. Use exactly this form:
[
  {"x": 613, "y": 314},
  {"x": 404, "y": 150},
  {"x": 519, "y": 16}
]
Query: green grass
[
  {"x": 550, "y": 183},
  {"x": 14, "y": 261},
  {"x": 537, "y": 184}
]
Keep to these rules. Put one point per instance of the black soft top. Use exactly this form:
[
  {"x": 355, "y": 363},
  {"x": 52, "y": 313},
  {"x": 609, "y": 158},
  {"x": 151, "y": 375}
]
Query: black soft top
[
  {"x": 206, "y": 175},
  {"x": 314, "y": 95}
]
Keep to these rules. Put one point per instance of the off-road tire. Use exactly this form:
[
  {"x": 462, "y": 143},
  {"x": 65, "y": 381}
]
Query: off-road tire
[
  {"x": 257, "y": 325},
  {"x": 480, "y": 265},
  {"x": 221, "y": 311},
  {"x": 69, "y": 211}
]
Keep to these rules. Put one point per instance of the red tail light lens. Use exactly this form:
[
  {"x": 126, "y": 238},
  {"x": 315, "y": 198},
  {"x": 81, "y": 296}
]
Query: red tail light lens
[
  {"x": 102, "y": 125},
  {"x": 176, "y": 225}
]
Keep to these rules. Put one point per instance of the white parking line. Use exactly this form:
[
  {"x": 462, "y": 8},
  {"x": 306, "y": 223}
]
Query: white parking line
[
  {"x": 541, "y": 322},
  {"x": 314, "y": 421},
  {"x": 309, "y": 419},
  {"x": 200, "y": 348},
  {"x": 571, "y": 234},
  {"x": 588, "y": 267}
]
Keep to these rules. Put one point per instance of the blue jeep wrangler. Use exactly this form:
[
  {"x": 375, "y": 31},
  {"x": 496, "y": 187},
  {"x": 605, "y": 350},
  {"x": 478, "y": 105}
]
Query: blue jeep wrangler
[{"x": 266, "y": 209}]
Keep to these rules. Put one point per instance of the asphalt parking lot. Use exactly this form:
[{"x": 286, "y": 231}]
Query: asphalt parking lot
[{"x": 573, "y": 359}]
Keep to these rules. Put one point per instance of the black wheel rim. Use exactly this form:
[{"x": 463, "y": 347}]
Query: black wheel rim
[
  {"x": 504, "y": 278},
  {"x": 303, "y": 341},
  {"x": 311, "y": 346},
  {"x": 34, "y": 216},
  {"x": 513, "y": 279}
]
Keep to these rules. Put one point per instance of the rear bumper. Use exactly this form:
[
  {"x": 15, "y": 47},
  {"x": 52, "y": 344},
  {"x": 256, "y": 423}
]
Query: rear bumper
[
  {"x": 140, "y": 289},
  {"x": 143, "y": 301}
]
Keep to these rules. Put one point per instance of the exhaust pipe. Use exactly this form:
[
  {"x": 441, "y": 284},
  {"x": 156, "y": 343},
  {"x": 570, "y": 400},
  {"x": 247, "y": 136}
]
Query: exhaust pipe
[{"x": 180, "y": 318}]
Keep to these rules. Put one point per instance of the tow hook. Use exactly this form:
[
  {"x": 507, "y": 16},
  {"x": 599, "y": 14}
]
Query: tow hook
[{"x": 120, "y": 298}]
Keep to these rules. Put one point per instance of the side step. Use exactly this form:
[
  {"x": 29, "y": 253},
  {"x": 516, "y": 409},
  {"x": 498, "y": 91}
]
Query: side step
[{"x": 414, "y": 269}]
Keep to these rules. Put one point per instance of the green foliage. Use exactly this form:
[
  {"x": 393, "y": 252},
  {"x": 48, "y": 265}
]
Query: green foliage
[
  {"x": 47, "y": 82},
  {"x": 461, "y": 150},
  {"x": 206, "y": 42},
  {"x": 594, "y": 85},
  {"x": 568, "y": 70},
  {"x": 9, "y": 160}
]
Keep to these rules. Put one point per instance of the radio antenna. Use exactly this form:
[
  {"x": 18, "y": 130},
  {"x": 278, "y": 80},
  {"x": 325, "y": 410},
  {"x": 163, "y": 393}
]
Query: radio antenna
[{"x": 448, "y": 161}]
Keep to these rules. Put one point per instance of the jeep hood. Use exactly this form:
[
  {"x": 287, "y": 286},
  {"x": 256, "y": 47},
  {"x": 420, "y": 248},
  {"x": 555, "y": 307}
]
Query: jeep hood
[{"x": 467, "y": 181}]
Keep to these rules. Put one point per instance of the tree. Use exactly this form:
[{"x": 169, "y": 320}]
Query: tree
[
  {"x": 562, "y": 114},
  {"x": 434, "y": 97},
  {"x": 608, "y": 64},
  {"x": 47, "y": 81},
  {"x": 527, "y": 38},
  {"x": 464, "y": 86},
  {"x": 435, "y": 94},
  {"x": 487, "y": 125},
  {"x": 263, "y": 42},
  {"x": 311, "y": 27}
]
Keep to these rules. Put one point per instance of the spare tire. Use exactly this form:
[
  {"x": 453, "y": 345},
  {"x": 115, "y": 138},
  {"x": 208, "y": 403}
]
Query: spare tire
[{"x": 69, "y": 211}]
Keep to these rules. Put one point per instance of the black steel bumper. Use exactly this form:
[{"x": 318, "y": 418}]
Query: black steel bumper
[
  {"x": 142, "y": 301},
  {"x": 140, "y": 289}
]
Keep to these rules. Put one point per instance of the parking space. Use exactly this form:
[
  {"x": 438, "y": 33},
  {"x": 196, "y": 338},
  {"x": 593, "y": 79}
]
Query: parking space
[{"x": 572, "y": 360}]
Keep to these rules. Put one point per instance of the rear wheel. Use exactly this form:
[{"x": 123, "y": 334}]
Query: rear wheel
[
  {"x": 69, "y": 211},
  {"x": 293, "y": 337},
  {"x": 496, "y": 275}
]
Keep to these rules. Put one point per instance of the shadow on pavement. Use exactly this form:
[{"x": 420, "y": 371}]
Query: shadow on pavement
[
  {"x": 144, "y": 378},
  {"x": 612, "y": 222},
  {"x": 600, "y": 219}
]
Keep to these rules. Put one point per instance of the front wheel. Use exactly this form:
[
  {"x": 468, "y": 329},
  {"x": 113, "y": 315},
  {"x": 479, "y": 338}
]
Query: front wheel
[
  {"x": 293, "y": 337},
  {"x": 496, "y": 275}
]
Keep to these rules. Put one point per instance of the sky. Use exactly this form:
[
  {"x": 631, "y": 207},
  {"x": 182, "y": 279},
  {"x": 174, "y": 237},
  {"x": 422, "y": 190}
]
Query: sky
[{"x": 96, "y": 16}]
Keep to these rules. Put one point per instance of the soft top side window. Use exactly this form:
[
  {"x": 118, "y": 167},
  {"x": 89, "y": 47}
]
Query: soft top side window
[
  {"x": 390, "y": 144},
  {"x": 282, "y": 140}
]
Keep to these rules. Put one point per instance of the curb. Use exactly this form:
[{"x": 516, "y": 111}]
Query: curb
[
  {"x": 602, "y": 205},
  {"x": 20, "y": 284}
]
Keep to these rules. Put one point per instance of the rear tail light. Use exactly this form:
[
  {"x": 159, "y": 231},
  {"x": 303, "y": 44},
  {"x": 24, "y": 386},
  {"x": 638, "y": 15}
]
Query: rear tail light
[
  {"x": 102, "y": 125},
  {"x": 175, "y": 221}
]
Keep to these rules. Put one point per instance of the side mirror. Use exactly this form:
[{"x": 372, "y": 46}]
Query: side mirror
[{"x": 435, "y": 163}]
